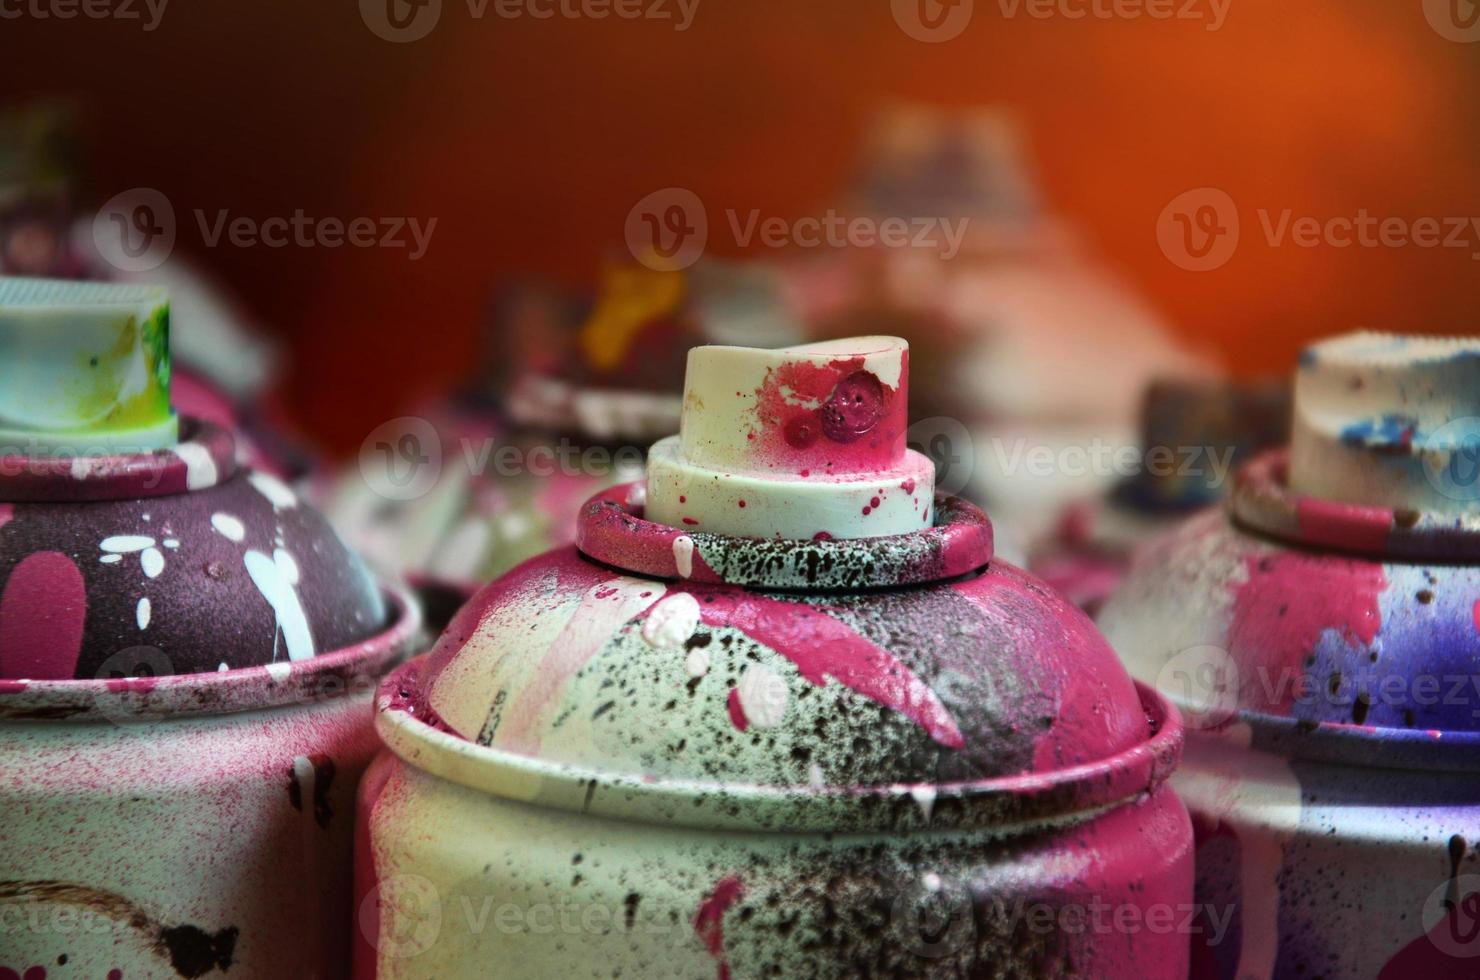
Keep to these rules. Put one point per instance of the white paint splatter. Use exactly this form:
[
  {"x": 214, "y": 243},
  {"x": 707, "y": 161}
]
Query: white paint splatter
[
  {"x": 276, "y": 492},
  {"x": 153, "y": 561},
  {"x": 287, "y": 566},
  {"x": 142, "y": 613},
  {"x": 171, "y": 543},
  {"x": 672, "y": 621},
  {"x": 931, "y": 881},
  {"x": 222, "y": 667},
  {"x": 126, "y": 543},
  {"x": 697, "y": 663},
  {"x": 925, "y": 799},
  {"x": 683, "y": 554},
  {"x": 111, "y": 559},
  {"x": 229, "y": 527},
  {"x": 275, "y": 587},
  {"x": 279, "y": 671},
  {"x": 200, "y": 468},
  {"x": 763, "y": 696}
]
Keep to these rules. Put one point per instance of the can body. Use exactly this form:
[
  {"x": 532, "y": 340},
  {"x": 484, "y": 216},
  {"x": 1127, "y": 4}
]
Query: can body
[
  {"x": 187, "y": 825},
  {"x": 454, "y": 882},
  {"x": 1329, "y": 869},
  {"x": 182, "y": 847}
]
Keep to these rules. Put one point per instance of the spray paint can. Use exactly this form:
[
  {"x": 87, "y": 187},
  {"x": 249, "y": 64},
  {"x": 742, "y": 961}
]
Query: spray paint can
[
  {"x": 778, "y": 712},
  {"x": 1193, "y": 436},
  {"x": 574, "y": 390},
  {"x": 1321, "y": 634},
  {"x": 187, "y": 656}
]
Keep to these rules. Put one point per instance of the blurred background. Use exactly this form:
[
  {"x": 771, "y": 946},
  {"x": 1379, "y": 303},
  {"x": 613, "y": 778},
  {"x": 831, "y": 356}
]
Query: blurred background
[{"x": 530, "y": 139}]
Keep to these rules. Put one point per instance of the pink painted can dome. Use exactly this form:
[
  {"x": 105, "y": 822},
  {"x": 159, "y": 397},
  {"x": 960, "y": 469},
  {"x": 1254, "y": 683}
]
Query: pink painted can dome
[{"x": 737, "y": 674}]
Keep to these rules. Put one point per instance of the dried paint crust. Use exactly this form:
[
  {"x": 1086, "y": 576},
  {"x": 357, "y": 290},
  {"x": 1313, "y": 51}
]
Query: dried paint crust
[{"x": 612, "y": 530}]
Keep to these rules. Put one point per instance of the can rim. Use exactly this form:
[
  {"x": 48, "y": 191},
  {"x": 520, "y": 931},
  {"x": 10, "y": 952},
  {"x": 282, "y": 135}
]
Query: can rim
[
  {"x": 346, "y": 672},
  {"x": 1263, "y": 500},
  {"x": 1006, "y": 804},
  {"x": 611, "y": 528},
  {"x": 204, "y": 456}
]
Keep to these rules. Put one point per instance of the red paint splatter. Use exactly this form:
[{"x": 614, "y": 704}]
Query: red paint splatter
[
  {"x": 32, "y": 973},
  {"x": 709, "y": 921},
  {"x": 1343, "y": 525},
  {"x": 1288, "y": 602},
  {"x": 1445, "y": 952},
  {"x": 822, "y": 536},
  {"x": 690, "y": 521},
  {"x": 873, "y": 501},
  {"x": 806, "y": 473},
  {"x": 42, "y": 614},
  {"x": 867, "y": 511},
  {"x": 822, "y": 647},
  {"x": 742, "y": 505},
  {"x": 737, "y": 710},
  {"x": 837, "y": 409},
  {"x": 908, "y": 486},
  {"x": 682, "y": 499}
]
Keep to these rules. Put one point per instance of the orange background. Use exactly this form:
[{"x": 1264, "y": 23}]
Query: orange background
[{"x": 530, "y": 140}]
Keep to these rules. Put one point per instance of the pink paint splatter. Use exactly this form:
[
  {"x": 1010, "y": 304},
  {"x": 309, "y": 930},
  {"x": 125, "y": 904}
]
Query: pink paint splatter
[
  {"x": 1288, "y": 602},
  {"x": 1445, "y": 952},
  {"x": 42, "y": 615},
  {"x": 1343, "y": 525},
  {"x": 7, "y": 511},
  {"x": 837, "y": 416},
  {"x": 709, "y": 921},
  {"x": 822, "y": 647},
  {"x": 737, "y": 710}
]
